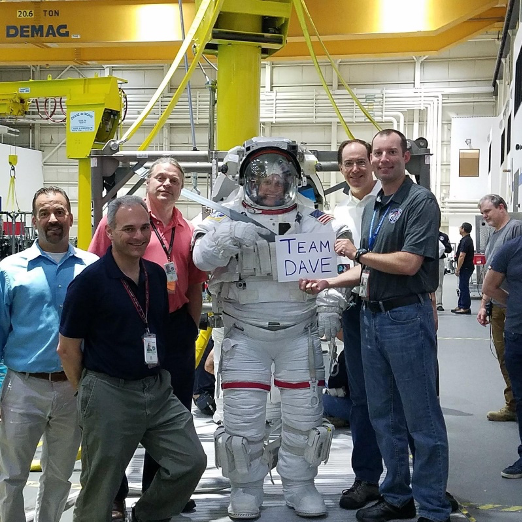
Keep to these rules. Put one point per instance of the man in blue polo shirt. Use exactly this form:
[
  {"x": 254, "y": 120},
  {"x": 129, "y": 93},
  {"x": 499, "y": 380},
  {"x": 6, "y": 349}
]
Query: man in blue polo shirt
[
  {"x": 507, "y": 267},
  {"x": 119, "y": 309},
  {"x": 37, "y": 400}
]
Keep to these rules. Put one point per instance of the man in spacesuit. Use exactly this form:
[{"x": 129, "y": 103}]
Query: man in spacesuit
[{"x": 268, "y": 322}]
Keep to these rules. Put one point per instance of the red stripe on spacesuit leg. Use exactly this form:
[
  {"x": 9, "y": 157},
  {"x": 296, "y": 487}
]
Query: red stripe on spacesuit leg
[
  {"x": 250, "y": 385},
  {"x": 295, "y": 385}
]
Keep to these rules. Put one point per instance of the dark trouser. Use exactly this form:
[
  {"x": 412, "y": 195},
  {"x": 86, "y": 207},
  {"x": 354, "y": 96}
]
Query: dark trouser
[
  {"x": 366, "y": 457},
  {"x": 464, "y": 295},
  {"x": 204, "y": 381},
  {"x": 513, "y": 355},
  {"x": 180, "y": 362}
]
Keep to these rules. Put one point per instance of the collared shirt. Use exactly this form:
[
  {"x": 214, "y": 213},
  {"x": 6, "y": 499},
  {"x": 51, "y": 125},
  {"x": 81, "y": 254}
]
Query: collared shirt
[
  {"x": 99, "y": 310},
  {"x": 349, "y": 212},
  {"x": 187, "y": 273},
  {"x": 410, "y": 224},
  {"x": 32, "y": 292}
]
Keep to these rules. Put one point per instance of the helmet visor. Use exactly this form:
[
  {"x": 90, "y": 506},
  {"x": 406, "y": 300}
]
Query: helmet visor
[{"x": 271, "y": 181}]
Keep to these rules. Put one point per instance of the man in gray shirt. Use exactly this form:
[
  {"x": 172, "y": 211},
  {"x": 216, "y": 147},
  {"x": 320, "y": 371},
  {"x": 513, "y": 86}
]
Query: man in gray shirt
[{"x": 494, "y": 211}]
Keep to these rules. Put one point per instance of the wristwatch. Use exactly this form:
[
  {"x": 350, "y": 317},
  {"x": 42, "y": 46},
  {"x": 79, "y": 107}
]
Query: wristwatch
[{"x": 360, "y": 252}]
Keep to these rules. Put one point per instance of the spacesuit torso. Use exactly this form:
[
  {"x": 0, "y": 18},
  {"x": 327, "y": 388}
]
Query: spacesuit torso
[{"x": 247, "y": 287}]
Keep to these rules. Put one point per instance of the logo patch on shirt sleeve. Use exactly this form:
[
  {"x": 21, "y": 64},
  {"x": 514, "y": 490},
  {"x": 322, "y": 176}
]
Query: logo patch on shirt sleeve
[
  {"x": 395, "y": 215},
  {"x": 321, "y": 216}
]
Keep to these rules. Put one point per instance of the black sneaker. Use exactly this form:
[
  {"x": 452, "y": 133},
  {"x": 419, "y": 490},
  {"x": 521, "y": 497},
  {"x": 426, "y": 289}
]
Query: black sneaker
[
  {"x": 514, "y": 471},
  {"x": 359, "y": 495},
  {"x": 189, "y": 506},
  {"x": 118, "y": 511},
  {"x": 134, "y": 518},
  {"x": 382, "y": 512}
]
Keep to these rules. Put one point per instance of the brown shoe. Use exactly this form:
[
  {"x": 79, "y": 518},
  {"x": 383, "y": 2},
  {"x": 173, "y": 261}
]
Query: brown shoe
[
  {"x": 462, "y": 311},
  {"x": 502, "y": 415},
  {"x": 118, "y": 510}
]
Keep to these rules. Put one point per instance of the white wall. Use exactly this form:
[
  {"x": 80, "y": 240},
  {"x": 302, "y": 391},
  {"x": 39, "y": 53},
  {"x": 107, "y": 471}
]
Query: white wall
[
  {"x": 29, "y": 176},
  {"x": 477, "y": 130}
]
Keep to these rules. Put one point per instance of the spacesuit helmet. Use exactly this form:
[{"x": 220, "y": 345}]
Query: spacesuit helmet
[{"x": 270, "y": 176}]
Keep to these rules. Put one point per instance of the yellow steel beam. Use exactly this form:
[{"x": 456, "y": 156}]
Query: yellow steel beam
[
  {"x": 85, "y": 22},
  {"x": 382, "y": 18},
  {"x": 393, "y": 45},
  {"x": 84, "y": 203},
  {"x": 238, "y": 84},
  {"x": 148, "y": 31}
]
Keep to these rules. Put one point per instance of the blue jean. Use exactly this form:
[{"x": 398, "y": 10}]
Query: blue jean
[
  {"x": 339, "y": 407},
  {"x": 399, "y": 356},
  {"x": 513, "y": 355},
  {"x": 464, "y": 296},
  {"x": 366, "y": 456}
]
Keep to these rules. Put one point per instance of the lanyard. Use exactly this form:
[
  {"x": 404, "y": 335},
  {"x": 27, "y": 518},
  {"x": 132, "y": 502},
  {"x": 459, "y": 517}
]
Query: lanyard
[
  {"x": 136, "y": 303},
  {"x": 372, "y": 236},
  {"x": 168, "y": 251}
]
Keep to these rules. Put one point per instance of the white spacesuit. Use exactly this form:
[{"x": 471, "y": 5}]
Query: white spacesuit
[{"x": 268, "y": 322}]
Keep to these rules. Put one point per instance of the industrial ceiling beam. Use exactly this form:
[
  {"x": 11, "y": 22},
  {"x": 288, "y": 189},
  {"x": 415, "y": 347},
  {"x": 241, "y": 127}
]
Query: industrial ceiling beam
[{"x": 148, "y": 31}]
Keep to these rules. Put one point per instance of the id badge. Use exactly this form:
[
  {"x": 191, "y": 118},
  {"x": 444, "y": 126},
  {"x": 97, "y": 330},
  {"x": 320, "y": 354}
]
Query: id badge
[
  {"x": 364, "y": 290},
  {"x": 150, "y": 349},
  {"x": 172, "y": 276}
]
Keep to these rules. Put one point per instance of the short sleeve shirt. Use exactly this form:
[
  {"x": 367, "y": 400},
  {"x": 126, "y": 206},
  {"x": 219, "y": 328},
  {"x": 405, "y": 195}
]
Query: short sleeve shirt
[
  {"x": 99, "y": 310},
  {"x": 466, "y": 245},
  {"x": 508, "y": 261},
  {"x": 408, "y": 222}
]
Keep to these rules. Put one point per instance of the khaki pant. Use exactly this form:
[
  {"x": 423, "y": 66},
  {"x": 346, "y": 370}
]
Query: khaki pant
[
  {"x": 115, "y": 416},
  {"x": 33, "y": 408},
  {"x": 498, "y": 318}
]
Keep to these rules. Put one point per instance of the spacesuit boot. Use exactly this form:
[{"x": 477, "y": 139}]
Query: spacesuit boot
[
  {"x": 245, "y": 500},
  {"x": 303, "y": 497}
]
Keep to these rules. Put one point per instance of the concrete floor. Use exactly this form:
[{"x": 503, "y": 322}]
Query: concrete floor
[{"x": 471, "y": 385}]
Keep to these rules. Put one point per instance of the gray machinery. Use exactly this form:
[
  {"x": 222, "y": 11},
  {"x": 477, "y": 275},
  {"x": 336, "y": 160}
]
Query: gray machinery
[{"x": 112, "y": 169}]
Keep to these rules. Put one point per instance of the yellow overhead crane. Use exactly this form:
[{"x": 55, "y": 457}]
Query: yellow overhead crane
[
  {"x": 94, "y": 106},
  {"x": 148, "y": 31},
  {"x": 239, "y": 32}
]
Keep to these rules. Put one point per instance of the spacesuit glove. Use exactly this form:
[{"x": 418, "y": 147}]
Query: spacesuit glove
[
  {"x": 330, "y": 305},
  {"x": 332, "y": 297},
  {"x": 246, "y": 234},
  {"x": 229, "y": 237},
  {"x": 329, "y": 322}
]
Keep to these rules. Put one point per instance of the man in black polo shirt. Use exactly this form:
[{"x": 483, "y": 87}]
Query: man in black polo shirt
[
  {"x": 119, "y": 310},
  {"x": 398, "y": 257},
  {"x": 465, "y": 267}
]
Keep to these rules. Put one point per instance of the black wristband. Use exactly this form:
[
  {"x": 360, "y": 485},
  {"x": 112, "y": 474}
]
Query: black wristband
[{"x": 360, "y": 252}]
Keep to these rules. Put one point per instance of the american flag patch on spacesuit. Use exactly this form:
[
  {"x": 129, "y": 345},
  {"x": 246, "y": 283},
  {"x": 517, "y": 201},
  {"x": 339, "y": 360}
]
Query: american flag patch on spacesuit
[{"x": 321, "y": 216}]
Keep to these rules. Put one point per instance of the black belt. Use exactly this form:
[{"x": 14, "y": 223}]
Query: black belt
[
  {"x": 53, "y": 377},
  {"x": 394, "y": 302}
]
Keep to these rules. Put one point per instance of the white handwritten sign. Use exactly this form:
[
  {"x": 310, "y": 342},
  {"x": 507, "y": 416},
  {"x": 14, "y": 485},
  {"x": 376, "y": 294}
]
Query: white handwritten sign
[{"x": 308, "y": 257}]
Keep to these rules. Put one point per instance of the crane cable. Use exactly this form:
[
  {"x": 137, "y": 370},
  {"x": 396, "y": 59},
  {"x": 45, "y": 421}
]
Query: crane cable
[
  {"x": 12, "y": 200},
  {"x": 200, "y": 18},
  {"x": 301, "y": 10}
]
